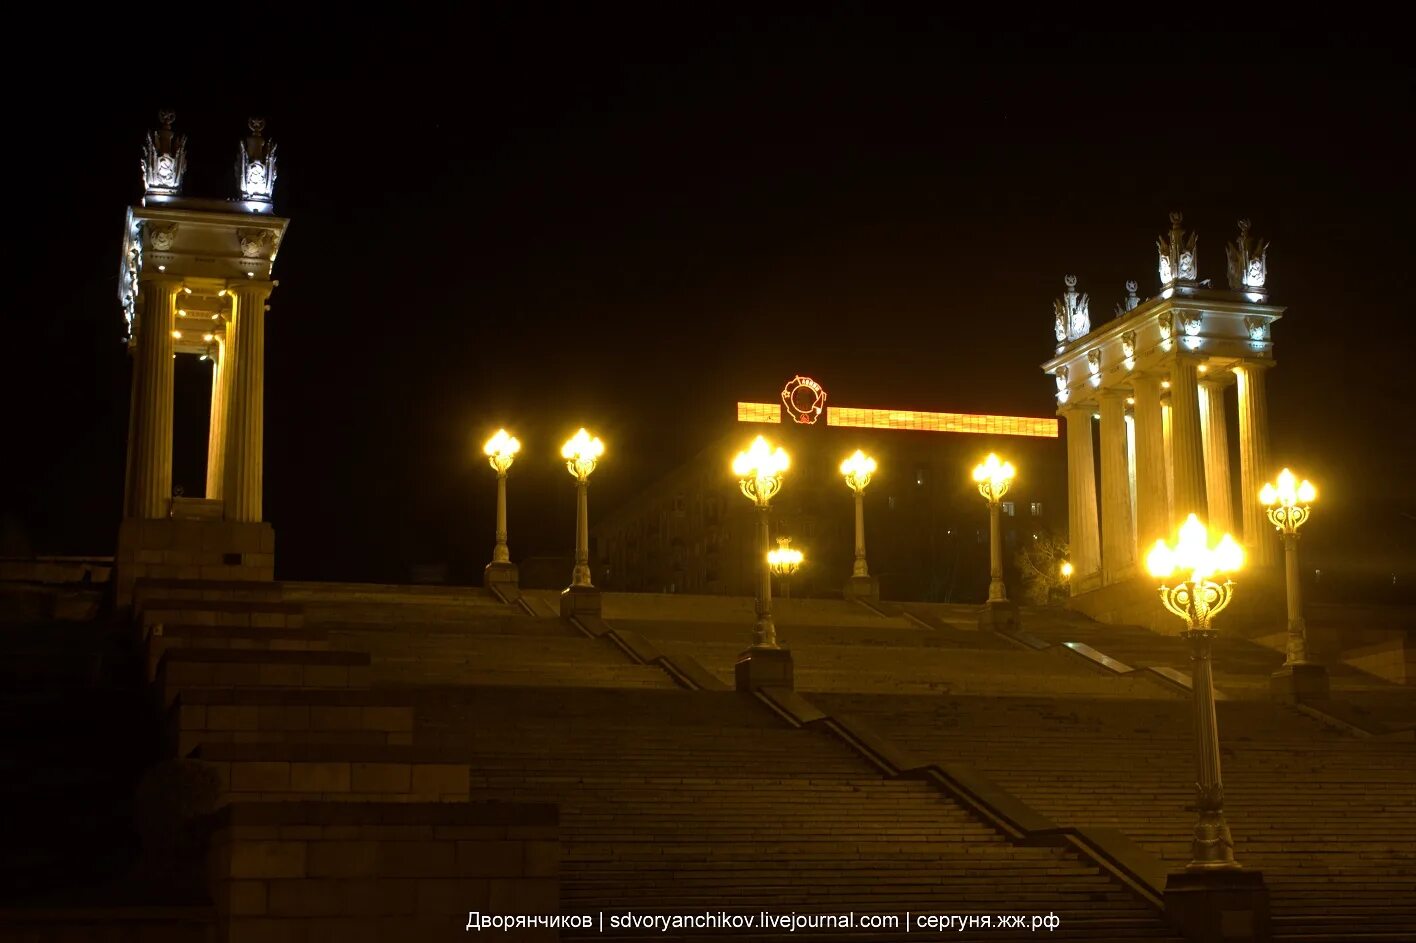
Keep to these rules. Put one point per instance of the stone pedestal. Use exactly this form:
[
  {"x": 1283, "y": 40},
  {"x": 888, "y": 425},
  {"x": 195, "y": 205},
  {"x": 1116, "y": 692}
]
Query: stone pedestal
[
  {"x": 1298, "y": 684},
  {"x": 501, "y": 577},
  {"x": 764, "y": 668},
  {"x": 998, "y": 615},
  {"x": 1221, "y": 905},
  {"x": 863, "y": 587},
  {"x": 191, "y": 549},
  {"x": 579, "y": 601}
]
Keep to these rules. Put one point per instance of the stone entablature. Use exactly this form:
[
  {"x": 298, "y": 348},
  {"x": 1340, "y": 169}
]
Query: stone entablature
[{"x": 1212, "y": 327}]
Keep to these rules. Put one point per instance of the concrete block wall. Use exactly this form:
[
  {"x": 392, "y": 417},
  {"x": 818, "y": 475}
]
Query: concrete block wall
[
  {"x": 192, "y": 550},
  {"x": 298, "y": 871}
]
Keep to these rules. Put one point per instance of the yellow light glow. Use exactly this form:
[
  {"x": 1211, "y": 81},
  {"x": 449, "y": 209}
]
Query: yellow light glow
[
  {"x": 1066, "y": 570},
  {"x": 1289, "y": 491},
  {"x": 177, "y": 334},
  {"x": 759, "y": 470},
  {"x": 1193, "y": 556},
  {"x": 1165, "y": 384},
  {"x": 221, "y": 294},
  {"x": 919, "y": 421},
  {"x": 501, "y": 449},
  {"x": 581, "y": 452},
  {"x": 858, "y": 468},
  {"x": 785, "y": 559},
  {"x": 186, "y": 290},
  {"x": 1130, "y": 401},
  {"x": 208, "y": 337},
  {"x": 993, "y": 477},
  {"x": 181, "y": 313},
  {"x": 1204, "y": 369},
  {"x": 759, "y": 412}
]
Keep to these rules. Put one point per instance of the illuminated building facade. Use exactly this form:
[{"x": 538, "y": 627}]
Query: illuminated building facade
[
  {"x": 1143, "y": 401},
  {"x": 927, "y": 533}
]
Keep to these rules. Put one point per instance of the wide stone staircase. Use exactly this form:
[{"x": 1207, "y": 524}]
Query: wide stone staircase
[
  {"x": 677, "y": 802},
  {"x": 1330, "y": 819}
]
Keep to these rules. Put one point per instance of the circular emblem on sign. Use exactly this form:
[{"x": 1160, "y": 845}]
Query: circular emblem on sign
[{"x": 804, "y": 399}]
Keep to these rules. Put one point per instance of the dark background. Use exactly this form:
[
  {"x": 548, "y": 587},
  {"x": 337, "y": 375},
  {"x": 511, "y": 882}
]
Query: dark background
[{"x": 544, "y": 220}]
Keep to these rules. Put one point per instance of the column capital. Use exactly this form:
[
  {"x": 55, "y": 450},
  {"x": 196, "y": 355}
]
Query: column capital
[
  {"x": 1114, "y": 392},
  {"x": 1217, "y": 380},
  {"x": 1252, "y": 365}
]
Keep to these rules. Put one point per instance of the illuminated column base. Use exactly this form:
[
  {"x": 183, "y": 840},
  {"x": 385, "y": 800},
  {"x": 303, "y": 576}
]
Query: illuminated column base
[
  {"x": 1231, "y": 904},
  {"x": 579, "y": 601},
  {"x": 863, "y": 587},
  {"x": 999, "y": 615},
  {"x": 764, "y": 668}
]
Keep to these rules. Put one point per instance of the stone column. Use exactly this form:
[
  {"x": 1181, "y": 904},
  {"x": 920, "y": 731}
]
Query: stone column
[
  {"x": 860, "y": 568},
  {"x": 1187, "y": 443},
  {"x": 216, "y": 432},
  {"x": 1131, "y": 472},
  {"x": 242, "y": 491},
  {"x": 1118, "y": 542},
  {"x": 1081, "y": 496},
  {"x": 1167, "y": 426},
  {"x": 1152, "y": 508},
  {"x": 1216, "y": 438},
  {"x": 152, "y": 445},
  {"x": 1253, "y": 460}
]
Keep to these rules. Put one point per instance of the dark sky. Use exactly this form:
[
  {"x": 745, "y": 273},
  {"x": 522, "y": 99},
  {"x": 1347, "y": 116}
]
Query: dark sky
[{"x": 547, "y": 221}]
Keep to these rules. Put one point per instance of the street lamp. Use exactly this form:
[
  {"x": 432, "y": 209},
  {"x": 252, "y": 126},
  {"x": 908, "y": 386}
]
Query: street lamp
[
  {"x": 759, "y": 471},
  {"x": 1066, "y": 570},
  {"x": 1288, "y": 506},
  {"x": 784, "y": 561},
  {"x": 857, "y": 470},
  {"x": 993, "y": 478},
  {"x": 1197, "y": 599},
  {"x": 581, "y": 453},
  {"x": 501, "y": 451}
]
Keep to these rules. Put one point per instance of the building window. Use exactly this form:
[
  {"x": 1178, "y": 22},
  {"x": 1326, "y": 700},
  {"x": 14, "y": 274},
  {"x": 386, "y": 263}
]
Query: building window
[
  {"x": 1008, "y": 508},
  {"x": 1037, "y": 509}
]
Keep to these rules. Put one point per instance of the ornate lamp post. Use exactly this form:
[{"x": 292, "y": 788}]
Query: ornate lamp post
[
  {"x": 993, "y": 478},
  {"x": 759, "y": 470},
  {"x": 581, "y": 453},
  {"x": 1288, "y": 506},
  {"x": 501, "y": 451},
  {"x": 784, "y": 561},
  {"x": 857, "y": 470},
  {"x": 1203, "y": 898},
  {"x": 1197, "y": 599}
]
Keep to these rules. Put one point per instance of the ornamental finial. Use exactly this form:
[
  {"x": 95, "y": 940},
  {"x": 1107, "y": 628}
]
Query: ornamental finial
[
  {"x": 1071, "y": 314},
  {"x": 255, "y": 170},
  {"x": 164, "y": 160},
  {"x": 1248, "y": 261},
  {"x": 1179, "y": 261},
  {"x": 1132, "y": 299}
]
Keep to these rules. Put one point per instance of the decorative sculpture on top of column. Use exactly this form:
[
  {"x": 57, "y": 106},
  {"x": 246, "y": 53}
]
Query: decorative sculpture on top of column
[
  {"x": 255, "y": 170},
  {"x": 164, "y": 158},
  {"x": 1132, "y": 301},
  {"x": 1072, "y": 314},
  {"x": 1179, "y": 261},
  {"x": 1248, "y": 260}
]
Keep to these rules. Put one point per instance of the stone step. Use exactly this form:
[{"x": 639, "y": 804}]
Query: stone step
[
  {"x": 335, "y": 772},
  {"x": 162, "y": 637},
  {"x": 226, "y": 612},
  {"x": 185, "y": 668}
]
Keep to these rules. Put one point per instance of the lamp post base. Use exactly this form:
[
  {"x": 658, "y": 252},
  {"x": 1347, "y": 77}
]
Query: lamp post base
[
  {"x": 500, "y": 576},
  {"x": 999, "y": 615},
  {"x": 1299, "y": 683},
  {"x": 863, "y": 587},
  {"x": 579, "y": 601},
  {"x": 1227, "y": 904},
  {"x": 764, "y": 668}
]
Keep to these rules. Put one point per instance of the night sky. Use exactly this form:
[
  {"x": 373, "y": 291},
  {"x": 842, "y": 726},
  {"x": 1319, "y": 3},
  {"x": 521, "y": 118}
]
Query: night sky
[{"x": 543, "y": 222}]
